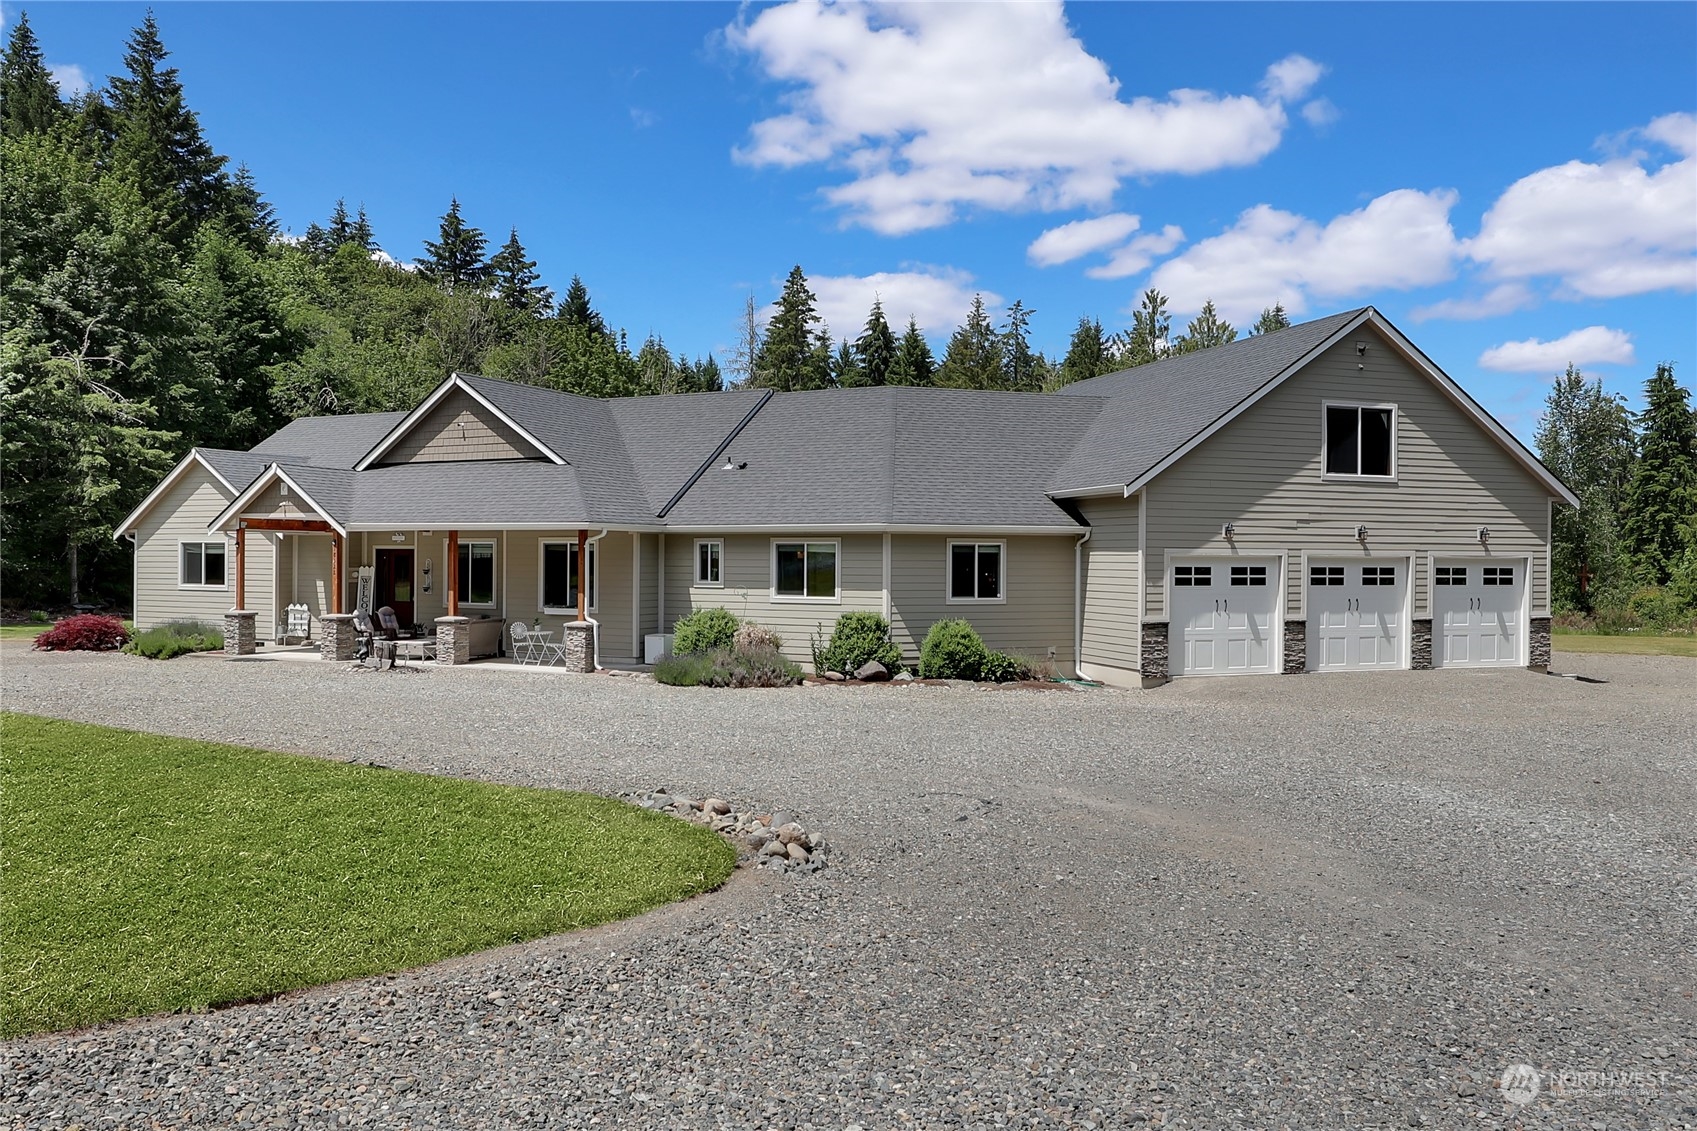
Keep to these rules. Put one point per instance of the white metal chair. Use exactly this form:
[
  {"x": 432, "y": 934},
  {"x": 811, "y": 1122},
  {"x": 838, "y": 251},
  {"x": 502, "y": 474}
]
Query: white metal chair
[{"x": 526, "y": 648}]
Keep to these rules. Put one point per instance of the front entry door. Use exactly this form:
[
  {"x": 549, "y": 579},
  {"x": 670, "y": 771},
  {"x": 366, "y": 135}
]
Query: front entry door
[{"x": 394, "y": 583}]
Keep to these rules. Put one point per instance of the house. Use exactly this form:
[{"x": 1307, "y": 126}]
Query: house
[{"x": 1321, "y": 498}]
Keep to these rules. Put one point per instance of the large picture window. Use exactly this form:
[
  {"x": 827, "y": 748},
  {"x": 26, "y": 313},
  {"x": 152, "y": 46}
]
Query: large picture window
[
  {"x": 804, "y": 571},
  {"x": 559, "y": 578},
  {"x": 709, "y": 563},
  {"x": 1360, "y": 440},
  {"x": 975, "y": 571},
  {"x": 477, "y": 573},
  {"x": 201, "y": 565}
]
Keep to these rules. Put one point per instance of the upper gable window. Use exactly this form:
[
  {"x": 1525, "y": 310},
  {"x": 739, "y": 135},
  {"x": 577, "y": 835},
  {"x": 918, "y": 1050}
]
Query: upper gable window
[{"x": 1360, "y": 441}]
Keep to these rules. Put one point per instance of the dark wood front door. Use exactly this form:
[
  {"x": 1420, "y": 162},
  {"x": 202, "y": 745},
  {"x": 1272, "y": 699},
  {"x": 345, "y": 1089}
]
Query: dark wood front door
[{"x": 394, "y": 584}]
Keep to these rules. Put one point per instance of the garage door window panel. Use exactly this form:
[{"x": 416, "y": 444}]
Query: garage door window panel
[{"x": 1359, "y": 441}]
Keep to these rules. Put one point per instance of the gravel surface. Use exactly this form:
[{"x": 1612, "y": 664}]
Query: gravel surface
[{"x": 1329, "y": 901}]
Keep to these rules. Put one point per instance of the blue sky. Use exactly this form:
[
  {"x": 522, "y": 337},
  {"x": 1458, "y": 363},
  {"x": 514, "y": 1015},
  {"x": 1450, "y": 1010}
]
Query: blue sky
[{"x": 1514, "y": 185}]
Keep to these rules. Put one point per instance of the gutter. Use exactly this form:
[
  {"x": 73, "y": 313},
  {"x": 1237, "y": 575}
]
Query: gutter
[
  {"x": 588, "y": 545},
  {"x": 714, "y": 458},
  {"x": 1078, "y": 603}
]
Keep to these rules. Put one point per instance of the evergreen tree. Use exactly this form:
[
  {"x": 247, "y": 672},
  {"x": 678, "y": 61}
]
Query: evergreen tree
[
  {"x": 517, "y": 282},
  {"x": 242, "y": 333},
  {"x": 876, "y": 346},
  {"x": 360, "y": 233},
  {"x": 29, "y": 99},
  {"x": 1019, "y": 364},
  {"x": 789, "y": 357},
  {"x": 657, "y": 372},
  {"x": 455, "y": 260},
  {"x": 974, "y": 357},
  {"x": 1662, "y": 496},
  {"x": 158, "y": 139},
  {"x": 1272, "y": 318},
  {"x": 819, "y": 373},
  {"x": 341, "y": 226},
  {"x": 914, "y": 363},
  {"x": 248, "y": 213},
  {"x": 1151, "y": 331},
  {"x": 575, "y": 309},
  {"x": 846, "y": 370},
  {"x": 1585, "y": 439},
  {"x": 1087, "y": 354},
  {"x": 1205, "y": 331}
]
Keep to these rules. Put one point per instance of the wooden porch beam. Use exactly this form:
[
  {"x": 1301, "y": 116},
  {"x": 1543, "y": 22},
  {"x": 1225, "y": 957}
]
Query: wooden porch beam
[
  {"x": 299, "y": 525},
  {"x": 241, "y": 565},
  {"x": 582, "y": 574},
  {"x": 453, "y": 573},
  {"x": 337, "y": 584}
]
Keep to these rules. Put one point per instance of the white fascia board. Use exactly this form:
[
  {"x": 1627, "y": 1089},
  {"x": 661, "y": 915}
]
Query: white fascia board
[
  {"x": 480, "y": 524},
  {"x": 1107, "y": 490},
  {"x": 272, "y": 474},
  {"x": 1248, "y": 402},
  {"x": 412, "y": 418},
  {"x": 194, "y": 457},
  {"x": 826, "y": 528},
  {"x": 1457, "y": 395}
]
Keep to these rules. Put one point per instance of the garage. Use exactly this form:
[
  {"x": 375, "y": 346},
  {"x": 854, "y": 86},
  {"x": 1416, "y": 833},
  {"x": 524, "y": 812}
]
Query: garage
[
  {"x": 1476, "y": 613},
  {"x": 1223, "y": 612},
  {"x": 1357, "y": 615}
]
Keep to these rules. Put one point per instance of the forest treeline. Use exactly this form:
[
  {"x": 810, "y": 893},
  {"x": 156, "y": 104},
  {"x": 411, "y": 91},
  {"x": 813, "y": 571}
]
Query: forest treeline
[{"x": 150, "y": 302}]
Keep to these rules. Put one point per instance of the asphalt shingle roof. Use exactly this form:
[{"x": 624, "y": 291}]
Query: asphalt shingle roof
[{"x": 328, "y": 441}]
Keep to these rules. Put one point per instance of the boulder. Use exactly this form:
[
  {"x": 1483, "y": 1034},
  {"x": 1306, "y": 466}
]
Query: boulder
[
  {"x": 872, "y": 672},
  {"x": 835, "y": 677}
]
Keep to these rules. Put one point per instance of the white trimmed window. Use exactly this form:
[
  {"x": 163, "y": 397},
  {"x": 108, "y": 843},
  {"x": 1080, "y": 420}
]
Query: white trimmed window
[
  {"x": 805, "y": 571},
  {"x": 975, "y": 571},
  {"x": 477, "y": 573},
  {"x": 558, "y": 575},
  {"x": 200, "y": 565},
  {"x": 709, "y": 562},
  {"x": 1359, "y": 441}
]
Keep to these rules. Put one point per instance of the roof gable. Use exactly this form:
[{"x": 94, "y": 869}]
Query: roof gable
[{"x": 475, "y": 388}]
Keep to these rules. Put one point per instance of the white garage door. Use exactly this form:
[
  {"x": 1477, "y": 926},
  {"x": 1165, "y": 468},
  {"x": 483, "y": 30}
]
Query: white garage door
[
  {"x": 1355, "y": 615},
  {"x": 1222, "y": 617},
  {"x": 1476, "y": 613}
]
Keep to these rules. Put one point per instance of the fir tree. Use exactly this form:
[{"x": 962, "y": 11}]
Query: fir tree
[
  {"x": 846, "y": 369},
  {"x": 249, "y": 213},
  {"x": 158, "y": 138},
  {"x": 576, "y": 310},
  {"x": 789, "y": 355},
  {"x": 455, "y": 260},
  {"x": 1272, "y": 318},
  {"x": 1019, "y": 364},
  {"x": 517, "y": 282},
  {"x": 1151, "y": 330},
  {"x": 1087, "y": 354},
  {"x": 914, "y": 363},
  {"x": 360, "y": 233},
  {"x": 29, "y": 99},
  {"x": 974, "y": 357},
  {"x": 340, "y": 229},
  {"x": 876, "y": 346},
  {"x": 1205, "y": 331},
  {"x": 657, "y": 372},
  {"x": 1585, "y": 438},
  {"x": 1662, "y": 496}
]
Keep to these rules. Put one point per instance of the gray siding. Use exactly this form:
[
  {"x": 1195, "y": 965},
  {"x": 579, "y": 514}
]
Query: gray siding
[
  {"x": 1112, "y": 630},
  {"x": 613, "y": 593},
  {"x": 304, "y": 568},
  {"x": 649, "y": 597},
  {"x": 1038, "y": 580},
  {"x": 747, "y": 571},
  {"x": 181, "y": 515},
  {"x": 1262, "y": 473},
  {"x": 458, "y": 429}
]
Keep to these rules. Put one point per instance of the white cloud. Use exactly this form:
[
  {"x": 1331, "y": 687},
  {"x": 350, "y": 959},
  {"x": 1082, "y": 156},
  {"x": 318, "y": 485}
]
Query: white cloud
[
  {"x": 1136, "y": 256},
  {"x": 1081, "y": 237},
  {"x": 1504, "y": 298},
  {"x": 937, "y": 107},
  {"x": 1400, "y": 240},
  {"x": 937, "y": 297},
  {"x": 70, "y": 78},
  {"x": 1594, "y": 345},
  {"x": 1320, "y": 113},
  {"x": 1603, "y": 230},
  {"x": 641, "y": 118}
]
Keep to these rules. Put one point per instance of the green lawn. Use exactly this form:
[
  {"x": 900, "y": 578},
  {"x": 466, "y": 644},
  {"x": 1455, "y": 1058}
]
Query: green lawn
[
  {"x": 1624, "y": 645},
  {"x": 142, "y": 874},
  {"x": 22, "y": 631}
]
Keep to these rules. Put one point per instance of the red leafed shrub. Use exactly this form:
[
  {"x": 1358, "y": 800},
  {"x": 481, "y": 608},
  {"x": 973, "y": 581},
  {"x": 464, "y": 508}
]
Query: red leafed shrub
[{"x": 87, "y": 632}]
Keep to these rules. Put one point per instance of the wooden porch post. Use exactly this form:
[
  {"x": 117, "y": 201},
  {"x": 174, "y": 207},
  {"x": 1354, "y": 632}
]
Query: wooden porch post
[
  {"x": 336, "y": 583},
  {"x": 453, "y": 573},
  {"x": 241, "y": 564},
  {"x": 582, "y": 574}
]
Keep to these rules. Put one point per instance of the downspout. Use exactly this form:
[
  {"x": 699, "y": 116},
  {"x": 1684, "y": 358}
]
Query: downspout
[
  {"x": 1078, "y": 603},
  {"x": 589, "y": 547}
]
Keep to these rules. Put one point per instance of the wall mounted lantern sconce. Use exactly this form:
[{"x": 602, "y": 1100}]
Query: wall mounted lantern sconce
[
  {"x": 1361, "y": 533},
  {"x": 1484, "y": 535},
  {"x": 1227, "y": 531},
  {"x": 426, "y": 574}
]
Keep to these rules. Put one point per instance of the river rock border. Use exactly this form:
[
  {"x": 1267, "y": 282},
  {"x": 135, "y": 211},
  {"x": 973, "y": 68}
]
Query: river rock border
[{"x": 775, "y": 840}]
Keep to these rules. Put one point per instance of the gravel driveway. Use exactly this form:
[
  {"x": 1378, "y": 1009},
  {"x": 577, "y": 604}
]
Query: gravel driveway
[{"x": 1332, "y": 901}]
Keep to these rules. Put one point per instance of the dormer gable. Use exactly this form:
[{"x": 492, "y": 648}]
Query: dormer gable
[{"x": 457, "y": 424}]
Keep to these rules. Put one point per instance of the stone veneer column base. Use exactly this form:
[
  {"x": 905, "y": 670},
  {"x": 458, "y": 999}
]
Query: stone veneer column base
[
  {"x": 1153, "y": 664},
  {"x": 1420, "y": 644},
  {"x": 338, "y": 640},
  {"x": 240, "y": 633},
  {"x": 580, "y": 646},
  {"x": 1296, "y": 647},
  {"x": 453, "y": 640},
  {"x": 1538, "y": 641}
]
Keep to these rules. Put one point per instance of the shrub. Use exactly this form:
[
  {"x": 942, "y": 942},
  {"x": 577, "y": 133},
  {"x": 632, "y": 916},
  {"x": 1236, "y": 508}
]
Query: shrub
[
  {"x": 858, "y": 639},
  {"x": 1656, "y": 607},
  {"x": 86, "y": 632},
  {"x": 176, "y": 638},
  {"x": 723, "y": 667},
  {"x": 952, "y": 650},
  {"x": 752, "y": 637},
  {"x": 1000, "y": 667},
  {"x": 704, "y": 630}
]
